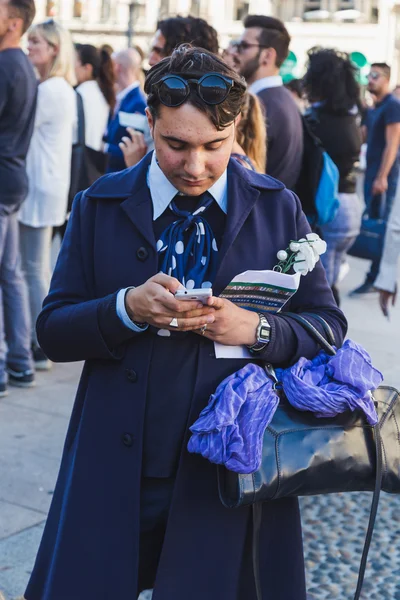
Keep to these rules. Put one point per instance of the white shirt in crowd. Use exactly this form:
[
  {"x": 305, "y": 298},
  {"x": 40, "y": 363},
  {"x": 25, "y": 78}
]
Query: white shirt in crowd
[
  {"x": 96, "y": 111},
  {"x": 265, "y": 82},
  {"x": 49, "y": 157},
  {"x": 388, "y": 270}
]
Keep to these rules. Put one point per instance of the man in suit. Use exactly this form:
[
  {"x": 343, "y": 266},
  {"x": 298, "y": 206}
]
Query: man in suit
[
  {"x": 130, "y": 107},
  {"x": 261, "y": 50},
  {"x": 131, "y": 503}
]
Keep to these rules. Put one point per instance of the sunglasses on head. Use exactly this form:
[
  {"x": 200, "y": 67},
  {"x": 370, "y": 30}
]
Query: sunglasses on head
[{"x": 212, "y": 88}]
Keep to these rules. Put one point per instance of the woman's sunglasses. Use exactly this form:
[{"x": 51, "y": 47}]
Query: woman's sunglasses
[{"x": 212, "y": 88}]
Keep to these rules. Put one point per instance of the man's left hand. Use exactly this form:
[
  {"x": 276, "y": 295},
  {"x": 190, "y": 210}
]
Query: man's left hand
[
  {"x": 379, "y": 186},
  {"x": 233, "y": 326}
]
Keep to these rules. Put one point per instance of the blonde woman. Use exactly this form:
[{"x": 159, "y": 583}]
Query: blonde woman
[
  {"x": 250, "y": 147},
  {"x": 48, "y": 162}
]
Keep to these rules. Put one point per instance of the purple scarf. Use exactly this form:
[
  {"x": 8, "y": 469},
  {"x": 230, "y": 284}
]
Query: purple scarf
[{"x": 230, "y": 430}]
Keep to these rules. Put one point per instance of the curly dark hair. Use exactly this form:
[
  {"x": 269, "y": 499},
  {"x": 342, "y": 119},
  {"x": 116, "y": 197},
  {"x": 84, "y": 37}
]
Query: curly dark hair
[
  {"x": 189, "y": 62},
  {"x": 330, "y": 78},
  {"x": 188, "y": 30}
]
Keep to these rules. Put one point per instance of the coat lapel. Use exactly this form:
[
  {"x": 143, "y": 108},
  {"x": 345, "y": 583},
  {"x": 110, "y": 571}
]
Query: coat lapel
[
  {"x": 130, "y": 186},
  {"x": 139, "y": 209},
  {"x": 242, "y": 196}
]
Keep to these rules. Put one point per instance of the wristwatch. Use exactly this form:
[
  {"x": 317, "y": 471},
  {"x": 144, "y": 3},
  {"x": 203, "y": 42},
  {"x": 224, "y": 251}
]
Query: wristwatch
[{"x": 263, "y": 334}]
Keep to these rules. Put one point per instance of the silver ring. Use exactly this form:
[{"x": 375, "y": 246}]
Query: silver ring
[
  {"x": 203, "y": 329},
  {"x": 174, "y": 323}
]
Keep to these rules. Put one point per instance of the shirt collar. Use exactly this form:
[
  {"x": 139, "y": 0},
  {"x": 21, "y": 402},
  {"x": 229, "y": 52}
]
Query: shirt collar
[
  {"x": 121, "y": 95},
  {"x": 162, "y": 191},
  {"x": 266, "y": 82}
]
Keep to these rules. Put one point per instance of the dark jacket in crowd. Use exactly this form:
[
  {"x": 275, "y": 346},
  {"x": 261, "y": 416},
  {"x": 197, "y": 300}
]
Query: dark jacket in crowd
[
  {"x": 284, "y": 134},
  {"x": 341, "y": 137},
  {"x": 90, "y": 544},
  {"x": 18, "y": 93},
  {"x": 134, "y": 102}
]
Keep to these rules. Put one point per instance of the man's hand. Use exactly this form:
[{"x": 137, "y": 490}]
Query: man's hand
[
  {"x": 154, "y": 303},
  {"x": 133, "y": 147},
  {"x": 385, "y": 299},
  {"x": 379, "y": 186},
  {"x": 233, "y": 326}
]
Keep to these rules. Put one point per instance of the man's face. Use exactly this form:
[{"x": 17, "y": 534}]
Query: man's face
[
  {"x": 248, "y": 53},
  {"x": 191, "y": 152},
  {"x": 157, "y": 48},
  {"x": 377, "y": 81}
]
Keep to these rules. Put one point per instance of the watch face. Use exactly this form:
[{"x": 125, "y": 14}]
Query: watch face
[{"x": 264, "y": 333}]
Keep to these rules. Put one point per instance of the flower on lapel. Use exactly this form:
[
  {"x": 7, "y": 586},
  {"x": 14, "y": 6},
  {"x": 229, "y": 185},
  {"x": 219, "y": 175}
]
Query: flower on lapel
[{"x": 302, "y": 255}]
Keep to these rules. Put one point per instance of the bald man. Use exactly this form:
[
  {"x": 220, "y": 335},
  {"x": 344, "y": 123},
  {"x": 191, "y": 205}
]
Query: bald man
[{"x": 130, "y": 108}]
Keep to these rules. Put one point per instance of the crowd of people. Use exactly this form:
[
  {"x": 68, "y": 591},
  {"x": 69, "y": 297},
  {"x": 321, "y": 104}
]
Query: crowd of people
[
  {"x": 108, "y": 110},
  {"x": 195, "y": 212}
]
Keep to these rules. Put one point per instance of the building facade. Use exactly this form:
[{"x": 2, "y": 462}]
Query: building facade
[{"x": 368, "y": 27}]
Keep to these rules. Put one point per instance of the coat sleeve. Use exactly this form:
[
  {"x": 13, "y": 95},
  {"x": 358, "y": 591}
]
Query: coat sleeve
[
  {"x": 74, "y": 325},
  {"x": 289, "y": 341}
]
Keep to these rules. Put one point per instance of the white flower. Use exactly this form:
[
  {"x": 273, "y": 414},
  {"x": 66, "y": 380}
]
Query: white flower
[
  {"x": 282, "y": 255},
  {"x": 318, "y": 245},
  {"x": 305, "y": 259},
  {"x": 294, "y": 246}
]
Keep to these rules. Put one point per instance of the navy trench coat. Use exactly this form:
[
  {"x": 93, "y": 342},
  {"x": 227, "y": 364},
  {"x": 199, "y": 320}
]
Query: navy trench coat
[{"x": 89, "y": 548}]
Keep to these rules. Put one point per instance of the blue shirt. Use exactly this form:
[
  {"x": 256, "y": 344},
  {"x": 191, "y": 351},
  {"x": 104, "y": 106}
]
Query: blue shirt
[{"x": 376, "y": 120}]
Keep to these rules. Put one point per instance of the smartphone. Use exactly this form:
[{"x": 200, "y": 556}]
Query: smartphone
[{"x": 200, "y": 295}]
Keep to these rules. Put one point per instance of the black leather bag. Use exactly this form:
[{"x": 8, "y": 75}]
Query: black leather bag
[{"x": 304, "y": 455}]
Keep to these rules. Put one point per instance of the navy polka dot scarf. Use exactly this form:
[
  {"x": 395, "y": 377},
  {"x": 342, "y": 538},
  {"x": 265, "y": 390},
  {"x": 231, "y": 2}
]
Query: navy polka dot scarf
[{"x": 191, "y": 258}]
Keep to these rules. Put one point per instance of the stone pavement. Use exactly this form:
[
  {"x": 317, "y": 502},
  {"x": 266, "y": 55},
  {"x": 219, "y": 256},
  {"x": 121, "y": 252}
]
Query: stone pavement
[{"x": 32, "y": 429}]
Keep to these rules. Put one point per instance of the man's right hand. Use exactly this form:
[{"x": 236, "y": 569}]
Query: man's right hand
[{"x": 154, "y": 303}]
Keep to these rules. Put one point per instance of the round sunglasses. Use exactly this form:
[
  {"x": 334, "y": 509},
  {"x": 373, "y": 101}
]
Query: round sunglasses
[{"x": 173, "y": 90}]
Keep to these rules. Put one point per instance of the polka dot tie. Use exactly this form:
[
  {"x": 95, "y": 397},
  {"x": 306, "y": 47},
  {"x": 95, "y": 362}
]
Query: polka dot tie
[{"x": 188, "y": 248}]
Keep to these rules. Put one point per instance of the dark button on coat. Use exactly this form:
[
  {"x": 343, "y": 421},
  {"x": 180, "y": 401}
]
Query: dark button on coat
[{"x": 90, "y": 544}]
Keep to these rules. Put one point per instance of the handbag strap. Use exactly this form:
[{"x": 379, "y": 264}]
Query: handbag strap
[
  {"x": 257, "y": 507},
  {"x": 80, "y": 120},
  {"x": 257, "y": 518},
  {"x": 313, "y": 331}
]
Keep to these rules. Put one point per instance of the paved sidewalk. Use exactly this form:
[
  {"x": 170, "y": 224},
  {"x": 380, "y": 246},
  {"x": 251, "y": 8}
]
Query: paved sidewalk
[{"x": 32, "y": 429}]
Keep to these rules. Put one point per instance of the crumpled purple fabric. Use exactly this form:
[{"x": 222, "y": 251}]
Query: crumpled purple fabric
[
  {"x": 230, "y": 430},
  {"x": 329, "y": 385}
]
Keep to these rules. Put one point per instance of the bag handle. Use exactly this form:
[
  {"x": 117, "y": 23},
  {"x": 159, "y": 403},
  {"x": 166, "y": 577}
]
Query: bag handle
[
  {"x": 313, "y": 331},
  {"x": 257, "y": 507}
]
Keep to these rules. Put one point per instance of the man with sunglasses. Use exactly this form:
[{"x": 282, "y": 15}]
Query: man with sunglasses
[
  {"x": 261, "y": 50},
  {"x": 131, "y": 503},
  {"x": 381, "y": 131}
]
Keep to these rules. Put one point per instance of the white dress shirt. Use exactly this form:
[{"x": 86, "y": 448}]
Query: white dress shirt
[
  {"x": 96, "y": 111},
  {"x": 388, "y": 270},
  {"x": 48, "y": 163},
  {"x": 264, "y": 83},
  {"x": 162, "y": 192}
]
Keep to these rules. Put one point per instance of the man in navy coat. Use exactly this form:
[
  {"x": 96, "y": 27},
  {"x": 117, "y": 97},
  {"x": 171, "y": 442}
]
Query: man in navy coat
[
  {"x": 132, "y": 508},
  {"x": 130, "y": 108}
]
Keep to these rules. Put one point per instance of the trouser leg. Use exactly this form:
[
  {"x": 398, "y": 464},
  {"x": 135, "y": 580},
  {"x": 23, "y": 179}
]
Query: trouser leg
[
  {"x": 35, "y": 253},
  {"x": 15, "y": 301}
]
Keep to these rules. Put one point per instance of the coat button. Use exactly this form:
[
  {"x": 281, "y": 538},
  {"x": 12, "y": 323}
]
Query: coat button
[
  {"x": 127, "y": 439},
  {"x": 131, "y": 375},
  {"x": 142, "y": 253}
]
